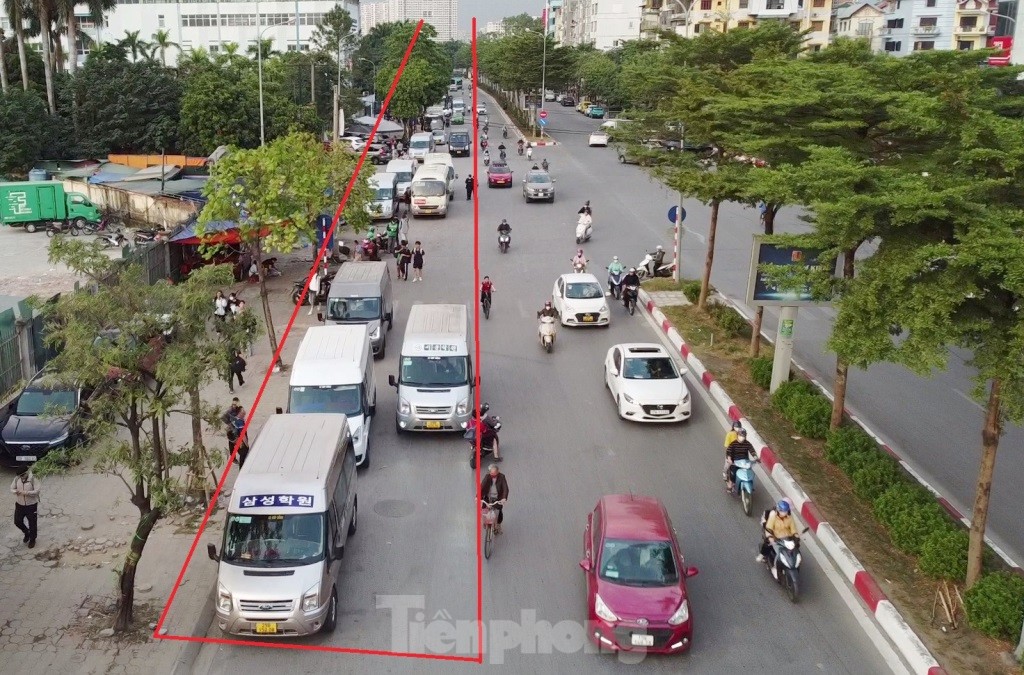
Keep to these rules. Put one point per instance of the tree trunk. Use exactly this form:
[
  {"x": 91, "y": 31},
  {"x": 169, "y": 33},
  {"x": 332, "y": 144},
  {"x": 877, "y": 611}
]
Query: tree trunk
[
  {"x": 3, "y": 65},
  {"x": 705, "y": 281},
  {"x": 22, "y": 57},
  {"x": 989, "y": 446},
  {"x": 265, "y": 300},
  {"x": 44, "y": 20},
  {"x": 842, "y": 367},
  {"x": 126, "y": 579},
  {"x": 197, "y": 461},
  {"x": 755, "y": 334},
  {"x": 58, "y": 54},
  {"x": 72, "y": 42}
]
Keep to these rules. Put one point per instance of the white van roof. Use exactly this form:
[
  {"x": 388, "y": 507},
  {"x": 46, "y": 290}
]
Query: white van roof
[
  {"x": 421, "y": 135},
  {"x": 383, "y": 179},
  {"x": 436, "y": 330},
  {"x": 400, "y": 165},
  {"x": 428, "y": 171},
  {"x": 289, "y": 464},
  {"x": 360, "y": 270},
  {"x": 444, "y": 158},
  {"x": 331, "y": 355}
]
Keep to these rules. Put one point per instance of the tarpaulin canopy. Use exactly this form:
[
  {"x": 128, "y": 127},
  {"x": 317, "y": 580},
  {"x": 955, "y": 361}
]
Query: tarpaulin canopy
[
  {"x": 386, "y": 126},
  {"x": 214, "y": 232}
]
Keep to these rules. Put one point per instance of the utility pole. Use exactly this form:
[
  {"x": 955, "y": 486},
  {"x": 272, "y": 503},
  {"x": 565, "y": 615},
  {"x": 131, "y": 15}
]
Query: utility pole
[
  {"x": 544, "y": 64},
  {"x": 312, "y": 80},
  {"x": 337, "y": 119},
  {"x": 677, "y": 273}
]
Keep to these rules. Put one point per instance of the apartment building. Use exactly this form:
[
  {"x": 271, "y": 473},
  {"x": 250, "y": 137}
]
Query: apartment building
[
  {"x": 443, "y": 15},
  {"x": 859, "y": 20},
  {"x": 606, "y": 24}
]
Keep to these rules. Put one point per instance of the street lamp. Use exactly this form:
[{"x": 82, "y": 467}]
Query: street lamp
[
  {"x": 374, "y": 76},
  {"x": 259, "y": 64}
]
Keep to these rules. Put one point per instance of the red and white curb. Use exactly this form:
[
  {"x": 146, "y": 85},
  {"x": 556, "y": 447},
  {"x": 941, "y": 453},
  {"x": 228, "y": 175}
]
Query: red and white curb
[{"x": 889, "y": 619}]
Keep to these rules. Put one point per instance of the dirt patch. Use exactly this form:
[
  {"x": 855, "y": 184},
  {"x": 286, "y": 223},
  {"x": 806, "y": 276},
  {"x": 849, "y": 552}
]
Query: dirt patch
[
  {"x": 960, "y": 650},
  {"x": 96, "y": 616}
]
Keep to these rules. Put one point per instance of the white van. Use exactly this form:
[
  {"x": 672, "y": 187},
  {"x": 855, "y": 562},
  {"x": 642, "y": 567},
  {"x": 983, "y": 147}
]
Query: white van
[
  {"x": 420, "y": 144},
  {"x": 333, "y": 373},
  {"x": 292, "y": 508},
  {"x": 361, "y": 294},
  {"x": 444, "y": 159},
  {"x": 431, "y": 191},
  {"x": 403, "y": 170},
  {"x": 458, "y": 105},
  {"x": 435, "y": 378},
  {"x": 385, "y": 196}
]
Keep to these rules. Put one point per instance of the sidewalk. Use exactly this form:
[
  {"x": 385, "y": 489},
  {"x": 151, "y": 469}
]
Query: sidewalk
[{"x": 57, "y": 598}]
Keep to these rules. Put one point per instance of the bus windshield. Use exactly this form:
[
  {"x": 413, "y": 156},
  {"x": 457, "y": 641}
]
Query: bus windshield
[{"x": 435, "y": 371}]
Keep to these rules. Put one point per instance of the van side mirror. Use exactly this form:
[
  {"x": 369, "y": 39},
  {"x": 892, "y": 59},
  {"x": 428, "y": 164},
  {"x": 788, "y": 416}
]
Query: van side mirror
[
  {"x": 585, "y": 564},
  {"x": 211, "y": 550},
  {"x": 392, "y": 381},
  {"x": 690, "y": 572}
]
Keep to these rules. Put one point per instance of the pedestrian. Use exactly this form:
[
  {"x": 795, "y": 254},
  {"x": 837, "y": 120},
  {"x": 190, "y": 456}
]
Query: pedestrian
[
  {"x": 220, "y": 306},
  {"x": 239, "y": 310},
  {"x": 232, "y": 305},
  {"x": 417, "y": 263},
  {"x": 237, "y": 368},
  {"x": 234, "y": 418},
  {"x": 313, "y": 295},
  {"x": 469, "y": 187},
  {"x": 26, "y": 504},
  {"x": 404, "y": 258}
]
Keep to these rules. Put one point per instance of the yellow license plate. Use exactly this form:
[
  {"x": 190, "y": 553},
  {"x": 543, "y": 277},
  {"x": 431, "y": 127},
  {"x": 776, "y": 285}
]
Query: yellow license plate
[
  {"x": 433, "y": 425},
  {"x": 265, "y": 628},
  {"x": 588, "y": 318}
]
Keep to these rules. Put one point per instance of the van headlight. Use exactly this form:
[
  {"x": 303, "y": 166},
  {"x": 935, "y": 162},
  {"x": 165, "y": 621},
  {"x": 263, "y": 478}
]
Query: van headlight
[
  {"x": 223, "y": 599},
  {"x": 682, "y": 614},
  {"x": 311, "y": 599},
  {"x": 403, "y": 407},
  {"x": 463, "y": 407},
  {"x": 375, "y": 333},
  {"x": 602, "y": 610}
]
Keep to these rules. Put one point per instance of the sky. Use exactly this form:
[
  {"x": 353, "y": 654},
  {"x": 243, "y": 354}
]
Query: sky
[{"x": 494, "y": 10}]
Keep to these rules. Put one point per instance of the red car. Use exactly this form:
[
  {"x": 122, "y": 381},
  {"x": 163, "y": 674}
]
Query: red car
[
  {"x": 499, "y": 173},
  {"x": 636, "y": 579}
]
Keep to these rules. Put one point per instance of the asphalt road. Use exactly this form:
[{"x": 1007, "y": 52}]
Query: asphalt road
[
  {"x": 564, "y": 449},
  {"x": 933, "y": 422}
]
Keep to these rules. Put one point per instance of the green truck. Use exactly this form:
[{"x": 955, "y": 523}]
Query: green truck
[{"x": 34, "y": 204}]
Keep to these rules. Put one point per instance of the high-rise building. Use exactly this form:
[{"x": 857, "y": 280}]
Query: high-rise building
[
  {"x": 443, "y": 15},
  {"x": 606, "y": 24}
]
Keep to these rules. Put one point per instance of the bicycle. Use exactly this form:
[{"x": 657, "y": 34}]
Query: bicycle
[
  {"x": 486, "y": 302},
  {"x": 489, "y": 517}
]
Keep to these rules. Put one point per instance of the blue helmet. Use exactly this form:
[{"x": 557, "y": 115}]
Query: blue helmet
[{"x": 782, "y": 506}]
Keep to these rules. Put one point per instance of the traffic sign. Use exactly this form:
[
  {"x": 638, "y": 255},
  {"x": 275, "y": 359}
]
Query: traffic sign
[
  {"x": 672, "y": 215},
  {"x": 543, "y": 122},
  {"x": 543, "y": 114}
]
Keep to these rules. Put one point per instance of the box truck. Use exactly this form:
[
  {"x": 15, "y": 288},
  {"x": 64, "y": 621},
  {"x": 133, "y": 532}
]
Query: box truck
[{"x": 34, "y": 204}]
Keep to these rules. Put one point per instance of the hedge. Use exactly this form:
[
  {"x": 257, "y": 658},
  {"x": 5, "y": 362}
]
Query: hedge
[
  {"x": 846, "y": 444},
  {"x": 761, "y": 371},
  {"x": 911, "y": 514},
  {"x": 944, "y": 553},
  {"x": 995, "y": 605},
  {"x": 728, "y": 319},
  {"x": 808, "y": 410},
  {"x": 872, "y": 473},
  {"x": 691, "y": 289}
]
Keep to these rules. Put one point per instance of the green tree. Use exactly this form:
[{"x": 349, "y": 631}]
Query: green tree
[
  {"x": 133, "y": 44},
  {"x": 44, "y": 11},
  {"x": 371, "y": 50},
  {"x": 3, "y": 62},
  {"x": 420, "y": 86},
  {"x": 23, "y": 130},
  {"x": 276, "y": 192},
  {"x": 162, "y": 42},
  {"x": 521, "y": 23},
  {"x": 219, "y": 106},
  {"x": 600, "y": 77},
  {"x": 334, "y": 32},
  {"x": 16, "y": 10}
]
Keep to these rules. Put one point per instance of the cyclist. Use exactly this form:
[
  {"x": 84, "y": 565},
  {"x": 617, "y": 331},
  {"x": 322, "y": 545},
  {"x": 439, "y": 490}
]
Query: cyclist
[
  {"x": 494, "y": 488},
  {"x": 486, "y": 288}
]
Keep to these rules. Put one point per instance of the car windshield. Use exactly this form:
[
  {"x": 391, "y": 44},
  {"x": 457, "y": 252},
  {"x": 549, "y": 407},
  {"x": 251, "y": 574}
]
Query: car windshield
[
  {"x": 438, "y": 133},
  {"x": 420, "y": 144},
  {"x": 638, "y": 563},
  {"x": 45, "y": 402},
  {"x": 500, "y": 168},
  {"x": 383, "y": 194},
  {"x": 429, "y": 188},
  {"x": 434, "y": 371},
  {"x": 343, "y": 398},
  {"x": 539, "y": 178},
  {"x": 274, "y": 540},
  {"x": 404, "y": 176},
  {"x": 459, "y": 138},
  {"x": 353, "y": 309},
  {"x": 583, "y": 291},
  {"x": 659, "y": 368}
]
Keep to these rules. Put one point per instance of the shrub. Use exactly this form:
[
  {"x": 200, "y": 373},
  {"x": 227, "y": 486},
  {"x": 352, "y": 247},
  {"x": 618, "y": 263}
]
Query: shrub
[
  {"x": 847, "y": 443},
  {"x": 944, "y": 553},
  {"x": 728, "y": 319},
  {"x": 808, "y": 410},
  {"x": 872, "y": 473},
  {"x": 995, "y": 605},
  {"x": 761, "y": 371},
  {"x": 910, "y": 514},
  {"x": 691, "y": 289},
  {"x": 787, "y": 390}
]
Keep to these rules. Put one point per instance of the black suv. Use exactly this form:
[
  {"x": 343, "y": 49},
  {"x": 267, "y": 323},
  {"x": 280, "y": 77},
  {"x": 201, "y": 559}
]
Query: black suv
[
  {"x": 459, "y": 143},
  {"x": 44, "y": 417}
]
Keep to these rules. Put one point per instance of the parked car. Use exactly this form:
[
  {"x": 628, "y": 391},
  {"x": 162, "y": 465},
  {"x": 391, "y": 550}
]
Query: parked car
[
  {"x": 499, "y": 173},
  {"x": 596, "y": 112},
  {"x": 629, "y": 156},
  {"x": 635, "y": 577},
  {"x": 538, "y": 184},
  {"x": 46, "y": 416},
  {"x": 582, "y": 106},
  {"x": 645, "y": 383},
  {"x": 568, "y": 102}
]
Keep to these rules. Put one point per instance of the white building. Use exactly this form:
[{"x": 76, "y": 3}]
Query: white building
[
  {"x": 443, "y": 15},
  {"x": 606, "y": 24},
  {"x": 859, "y": 20},
  {"x": 209, "y": 25},
  {"x": 496, "y": 28}
]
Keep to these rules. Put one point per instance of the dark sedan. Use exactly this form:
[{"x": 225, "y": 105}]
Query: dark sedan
[
  {"x": 568, "y": 102},
  {"x": 41, "y": 419},
  {"x": 499, "y": 173}
]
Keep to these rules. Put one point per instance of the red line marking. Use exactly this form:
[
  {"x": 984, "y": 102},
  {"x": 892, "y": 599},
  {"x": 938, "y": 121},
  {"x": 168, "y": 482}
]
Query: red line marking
[
  {"x": 891, "y": 452},
  {"x": 259, "y": 397},
  {"x": 937, "y": 670},
  {"x": 319, "y": 648},
  {"x": 479, "y": 658},
  {"x": 665, "y": 325},
  {"x": 944, "y": 503},
  {"x": 869, "y": 591}
]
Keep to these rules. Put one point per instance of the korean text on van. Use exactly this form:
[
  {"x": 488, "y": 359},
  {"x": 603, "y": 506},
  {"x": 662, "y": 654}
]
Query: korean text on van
[
  {"x": 403, "y": 170},
  {"x": 292, "y": 508},
  {"x": 333, "y": 373},
  {"x": 420, "y": 144},
  {"x": 432, "y": 188},
  {"x": 361, "y": 294},
  {"x": 435, "y": 379},
  {"x": 385, "y": 196}
]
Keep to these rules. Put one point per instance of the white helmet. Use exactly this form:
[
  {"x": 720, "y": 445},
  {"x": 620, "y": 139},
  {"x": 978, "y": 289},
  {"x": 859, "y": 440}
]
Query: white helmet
[
  {"x": 660, "y": 247},
  {"x": 615, "y": 258}
]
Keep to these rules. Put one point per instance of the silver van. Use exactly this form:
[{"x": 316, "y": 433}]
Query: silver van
[
  {"x": 435, "y": 378},
  {"x": 385, "y": 196},
  {"x": 420, "y": 144},
  {"x": 361, "y": 293},
  {"x": 333, "y": 373},
  {"x": 292, "y": 508},
  {"x": 403, "y": 170}
]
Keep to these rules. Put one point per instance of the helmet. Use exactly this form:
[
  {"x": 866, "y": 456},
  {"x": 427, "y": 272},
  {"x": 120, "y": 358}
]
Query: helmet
[
  {"x": 366, "y": 241},
  {"x": 782, "y": 506},
  {"x": 741, "y": 433},
  {"x": 547, "y": 303},
  {"x": 660, "y": 248},
  {"x": 615, "y": 258},
  {"x": 579, "y": 251},
  {"x": 503, "y": 220},
  {"x": 736, "y": 426},
  {"x": 587, "y": 203},
  {"x": 632, "y": 270}
]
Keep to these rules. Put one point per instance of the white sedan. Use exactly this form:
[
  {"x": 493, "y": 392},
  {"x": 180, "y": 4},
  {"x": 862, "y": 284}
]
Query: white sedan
[
  {"x": 645, "y": 383},
  {"x": 481, "y": 109},
  {"x": 580, "y": 300},
  {"x": 599, "y": 138}
]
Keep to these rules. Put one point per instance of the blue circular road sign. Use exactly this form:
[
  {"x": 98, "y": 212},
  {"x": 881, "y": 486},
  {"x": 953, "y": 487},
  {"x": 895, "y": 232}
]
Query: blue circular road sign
[{"x": 672, "y": 215}]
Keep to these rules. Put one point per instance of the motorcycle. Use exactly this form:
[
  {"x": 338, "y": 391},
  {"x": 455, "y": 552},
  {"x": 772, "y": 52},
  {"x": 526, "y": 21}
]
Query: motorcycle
[
  {"x": 643, "y": 269},
  {"x": 503, "y": 242},
  {"x": 744, "y": 483},
  {"x": 785, "y": 566},
  {"x": 629, "y": 296},
  {"x": 492, "y": 425},
  {"x": 615, "y": 283},
  {"x": 584, "y": 228},
  {"x": 146, "y": 235},
  {"x": 58, "y": 227},
  {"x": 112, "y": 239},
  {"x": 95, "y": 228},
  {"x": 487, "y": 160},
  {"x": 547, "y": 332},
  {"x": 504, "y": 133},
  {"x": 579, "y": 267},
  {"x": 520, "y": 149},
  {"x": 321, "y": 297},
  {"x": 529, "y": 153}
]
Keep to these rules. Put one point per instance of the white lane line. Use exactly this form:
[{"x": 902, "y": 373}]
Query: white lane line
[
  {"x": 867, "y": 622},
  {"x": 968, "y": 399}
]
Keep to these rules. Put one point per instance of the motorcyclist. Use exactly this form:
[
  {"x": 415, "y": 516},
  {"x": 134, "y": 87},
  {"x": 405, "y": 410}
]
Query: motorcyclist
[
  {"x": 730, "y": 436},
  {"x": 778, "y": 525},
  {"x": 494, "y": 490},
  {"x": 548, "y": 311},
  {"x": 487, "y": 157},
  {"x": 504, "y": 131},
  {"x": 615, "y": 267},
  {"x": 370, "y": 249},
  {"x": 657, "y": 258},
  {"x": 520, "y": 145},
  {"x": 580, "y": 259},
  {"x": 586, "y": 209},
  {"x": 529, "y": 152},
  {"x": 486, "y": 288},
  {"x": 504, "y": 227},
  {"x": 544, "y": 164},
  {"x": 488, "y": 437},
  {"x": 741, "y": 448},
  {"x": 631, "y": 279}
]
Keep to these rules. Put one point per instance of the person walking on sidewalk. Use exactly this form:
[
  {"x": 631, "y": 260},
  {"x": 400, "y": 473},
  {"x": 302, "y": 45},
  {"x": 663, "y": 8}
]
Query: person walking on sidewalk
[
  {"x": 220, "y": 306},
  {"x": 237, "y": 368},
  {"x": 417, "y": 263},
  {"x": 469, "y": 187},
  {"x": 26, "y": 504},
  {"x": 234, "y": 418},
  {"x": 404, "y": 255}
]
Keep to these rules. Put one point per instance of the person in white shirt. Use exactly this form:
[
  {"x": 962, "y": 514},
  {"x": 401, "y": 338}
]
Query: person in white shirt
[{"x": 220, "y": 306}]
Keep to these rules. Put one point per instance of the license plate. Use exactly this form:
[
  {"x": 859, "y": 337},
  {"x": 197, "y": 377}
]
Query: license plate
[
  {"x": 26, "y": 458},
  {"x": 421, "y": 201},
  {"x": 267, "y": 628},
  {"x": 433, "y": 425},
  {"x": 639, "y": 640},
  {"x": 588, "y": 318}
]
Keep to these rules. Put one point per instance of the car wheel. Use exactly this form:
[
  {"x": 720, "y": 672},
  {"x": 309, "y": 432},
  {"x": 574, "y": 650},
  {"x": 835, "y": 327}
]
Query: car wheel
[
  {"x": 331, "y": 622},
  {"x": 355, "y": 512}
]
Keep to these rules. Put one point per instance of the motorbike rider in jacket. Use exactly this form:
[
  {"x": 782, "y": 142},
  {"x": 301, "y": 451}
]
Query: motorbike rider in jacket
[
  {"x": 779, "y": 525},
  {"x": 548, "y": 311},
  {"x": 741, "y": 448},
  {"x": 580, "y": 259},
  {"x": 616, "y": 267},
  {"x": 631, "y": 279},
  {"x": 585, "y": 209},
  {"x": 504, "y": 227},
  {"x": 657, "y": 259}
]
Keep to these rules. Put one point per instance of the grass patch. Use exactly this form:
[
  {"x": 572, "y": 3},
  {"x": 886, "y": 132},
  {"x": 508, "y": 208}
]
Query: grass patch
[{"x": 661, "y": 284}]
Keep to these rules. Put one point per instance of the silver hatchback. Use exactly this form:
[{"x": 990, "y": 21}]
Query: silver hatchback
[{"x": 539, "y": 185}]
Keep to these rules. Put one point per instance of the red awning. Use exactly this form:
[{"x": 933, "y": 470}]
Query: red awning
[{"x": 999, "y": 61}]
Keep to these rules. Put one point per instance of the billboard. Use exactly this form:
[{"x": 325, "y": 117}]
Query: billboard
[{"x": 761, "y": 292}]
